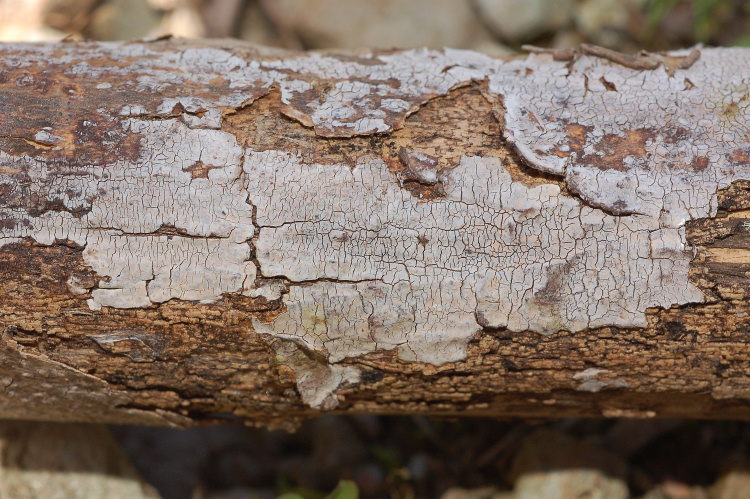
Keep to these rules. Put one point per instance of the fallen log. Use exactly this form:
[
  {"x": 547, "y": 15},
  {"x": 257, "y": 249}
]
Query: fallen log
[{"x": 200, "y": 231}]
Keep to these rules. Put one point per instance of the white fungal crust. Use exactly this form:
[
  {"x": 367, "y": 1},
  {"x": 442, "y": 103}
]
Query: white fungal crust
[
  {"x": 185, "y": 178},
  {"x": 425, "y": 277},
  {"x": 633, "y": 141},
  {"x": 590, "y": 381},
  {"x": 372, "y": 94},
  {"x": 366, "y": 264},
  {"x": 118, "y": 213}
]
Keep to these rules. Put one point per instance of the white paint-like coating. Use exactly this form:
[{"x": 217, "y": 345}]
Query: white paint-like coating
[
  {"x": 129, "y": 202},
  {"x": 169, "y": 268},
  {"x": 368, "y": 266},
  {"x": 684, "y": 136},
  {"x": 590, "y": 382},
  {"x": 317, "y": 391},
  {"x": 76, "y": 286},
  {"x": 45, "y": 137},
  {"x": 270, "y": 291},
  {"x": 339, "y": 96},
  {"x": 419, "y": 276},
  {"x": 364, "y": 96}
]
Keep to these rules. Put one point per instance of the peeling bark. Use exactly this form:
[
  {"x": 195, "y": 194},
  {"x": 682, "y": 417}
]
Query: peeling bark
[{"x": 200, "y": 231}]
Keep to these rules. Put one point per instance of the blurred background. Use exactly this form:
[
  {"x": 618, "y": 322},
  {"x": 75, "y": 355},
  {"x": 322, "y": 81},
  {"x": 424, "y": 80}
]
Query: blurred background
[
  {"x": 417, "y": 457},
  {"x": 493, "y": 26}
]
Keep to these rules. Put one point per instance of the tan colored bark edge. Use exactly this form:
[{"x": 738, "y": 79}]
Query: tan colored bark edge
[{"x": 203, "y": 231}]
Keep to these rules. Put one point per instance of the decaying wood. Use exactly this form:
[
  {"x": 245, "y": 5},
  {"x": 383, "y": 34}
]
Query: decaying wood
[{"x": 199, "y": 231}]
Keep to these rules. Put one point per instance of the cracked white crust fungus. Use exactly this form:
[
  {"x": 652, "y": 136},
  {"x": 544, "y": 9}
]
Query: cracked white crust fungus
[
  {"x": 633, "y": 141},
  {"x": 425, "y": 277},
  {"x": 126, "y": 204},
  {"x": 368, "y": 266},
  {"x": 590, "y": 382}
]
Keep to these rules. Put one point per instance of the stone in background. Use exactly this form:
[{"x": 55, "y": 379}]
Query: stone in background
[
  {"x": 65, "y": 461},
  {"x": 351, "y": 24},
  {"x": 524, "y": 20},
  {"x": 124, "y": 20}
]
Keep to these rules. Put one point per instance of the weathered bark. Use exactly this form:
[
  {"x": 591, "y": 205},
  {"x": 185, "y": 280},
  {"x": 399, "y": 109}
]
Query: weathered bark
[{"x": 195, "y": 231}]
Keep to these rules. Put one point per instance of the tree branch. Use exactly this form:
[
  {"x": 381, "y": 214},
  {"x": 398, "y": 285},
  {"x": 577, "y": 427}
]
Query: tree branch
[{"x": 197, "y": 231}]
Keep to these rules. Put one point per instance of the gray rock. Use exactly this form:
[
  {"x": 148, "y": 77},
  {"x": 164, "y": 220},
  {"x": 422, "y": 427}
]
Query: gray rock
[
  {"x": 124, "y": 20},
  {"x": 570, "y": 484},
  {"x": 607, "y": 22},
  {"x": 24, "y": 21},
  {"x": 524, "y": 20},
  {"x": 65, "y": 461},
  {"x": 554, "y": 465},
  {"x": 732, "y": 485},
  {"x": 481, "y": 493},
  {"x": 676, "y": 490},
  {"x": 66, "y": 15},
  {"x": 183, "y": 22},
  {"x": 350, "y": 24},
  {"x": 547, "y": 450},
  {"x": 255, "y": 27},
  {"x": 567, "y": 39}
]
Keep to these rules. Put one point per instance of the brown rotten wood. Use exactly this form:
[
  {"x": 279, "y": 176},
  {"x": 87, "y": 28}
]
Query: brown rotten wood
[{"x": 200, "y": 231}]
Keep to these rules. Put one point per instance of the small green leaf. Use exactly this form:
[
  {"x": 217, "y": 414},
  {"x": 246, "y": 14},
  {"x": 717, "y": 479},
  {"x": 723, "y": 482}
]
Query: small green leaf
[
  {"x": 346, "y": 489},
  {"x": 290, "y": 495}
]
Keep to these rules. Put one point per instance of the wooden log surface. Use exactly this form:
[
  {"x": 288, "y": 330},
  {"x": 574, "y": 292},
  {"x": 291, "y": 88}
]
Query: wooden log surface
[{"x": 202, "y": 231}]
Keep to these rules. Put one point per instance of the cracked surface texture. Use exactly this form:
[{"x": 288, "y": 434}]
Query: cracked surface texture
[
  {"x": 424, "y": 277},
  {"x": 170, "y": 206},
  {"x": 632, "y": 141},
  {"x": 117, "y": 211}
]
